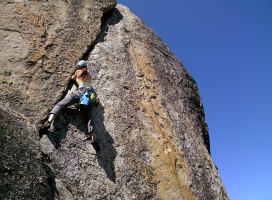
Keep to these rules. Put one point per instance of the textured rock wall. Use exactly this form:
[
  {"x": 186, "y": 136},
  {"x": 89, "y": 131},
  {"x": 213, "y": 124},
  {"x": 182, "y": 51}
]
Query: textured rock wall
[
  {"x": 40, "y": 42},
  {"x": 150, "y": 122},
  {"x": 21, "y": 169}
]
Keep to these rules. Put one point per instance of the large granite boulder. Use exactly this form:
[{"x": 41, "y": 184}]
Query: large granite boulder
[{"x": 150, "y": 124}]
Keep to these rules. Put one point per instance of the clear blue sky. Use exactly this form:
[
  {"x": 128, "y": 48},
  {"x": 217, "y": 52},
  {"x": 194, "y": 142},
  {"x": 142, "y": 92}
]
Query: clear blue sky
[{"x": 227, "y": 47}]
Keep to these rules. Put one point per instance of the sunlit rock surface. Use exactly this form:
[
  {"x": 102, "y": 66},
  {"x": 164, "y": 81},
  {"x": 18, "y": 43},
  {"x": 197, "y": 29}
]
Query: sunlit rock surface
[{"x": 150, "y": 122}]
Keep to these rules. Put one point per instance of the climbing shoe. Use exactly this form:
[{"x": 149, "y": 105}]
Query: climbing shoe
[
  {"x": 49, "y": 126},
  {"x": 92, "y": 137}
]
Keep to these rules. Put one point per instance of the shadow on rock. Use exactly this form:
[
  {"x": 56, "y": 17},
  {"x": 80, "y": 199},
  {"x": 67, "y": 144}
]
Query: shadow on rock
[
  {"x": 72, "y": 120},
  {"x": 52, "y": 189},
  {"x": 105, "y": 150},
  {"x": 107, "y": 153}
]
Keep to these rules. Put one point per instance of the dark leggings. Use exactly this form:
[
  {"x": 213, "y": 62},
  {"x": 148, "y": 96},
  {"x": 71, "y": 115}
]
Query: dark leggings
[{"x": 71, "y": 99}]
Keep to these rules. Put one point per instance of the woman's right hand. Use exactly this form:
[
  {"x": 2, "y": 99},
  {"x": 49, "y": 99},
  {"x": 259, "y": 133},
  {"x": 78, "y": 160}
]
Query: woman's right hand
[{"x": 75, "y": 75}]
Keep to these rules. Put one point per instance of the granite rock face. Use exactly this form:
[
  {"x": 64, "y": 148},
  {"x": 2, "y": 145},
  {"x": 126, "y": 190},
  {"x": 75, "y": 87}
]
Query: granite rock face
[
  {"x": 150, "y": 123},
  {"x": 40, "y": 41}
]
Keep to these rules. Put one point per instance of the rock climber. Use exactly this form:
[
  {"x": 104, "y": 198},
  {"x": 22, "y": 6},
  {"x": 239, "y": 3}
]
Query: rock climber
[{"x": 83, "y": 80}]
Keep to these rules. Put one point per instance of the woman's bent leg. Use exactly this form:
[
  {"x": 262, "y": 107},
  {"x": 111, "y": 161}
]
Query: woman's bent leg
[
  {"x": 87, "y": 111},
  {"x": 67, "y": 101}
]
